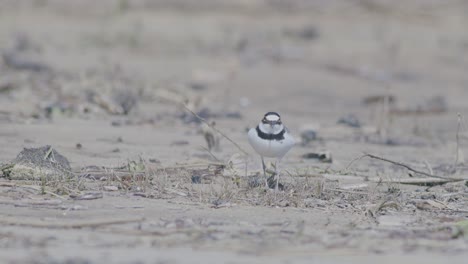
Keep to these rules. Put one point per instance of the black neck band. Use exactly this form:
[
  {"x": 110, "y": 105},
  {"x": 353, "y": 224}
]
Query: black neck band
[{"x": 279, "y": 136}]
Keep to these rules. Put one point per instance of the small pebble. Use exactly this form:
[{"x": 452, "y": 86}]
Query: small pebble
[
  {"x": 308, "y": 136},
  {"x": 350, "y": 120},
  {"x": 110, "y": 188},
  {"x": 196, "y": 179},
  {"x": 116, "y": 123},
  {"x": 324, "y": 156},
  {"x": 179, "y": 143}
]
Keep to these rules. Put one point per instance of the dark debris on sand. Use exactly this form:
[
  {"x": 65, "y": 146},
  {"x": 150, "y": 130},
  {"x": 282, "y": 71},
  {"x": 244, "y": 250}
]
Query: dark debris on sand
[{"x": 34, "y": 163}]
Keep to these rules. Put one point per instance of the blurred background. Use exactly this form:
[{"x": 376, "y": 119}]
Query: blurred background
[
  {"x": 397, "y": 70},
  {"x": 111, "y": 91}
]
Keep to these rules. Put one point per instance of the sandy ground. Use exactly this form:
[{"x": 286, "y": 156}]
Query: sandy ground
[{"x": 70, "y": 70}]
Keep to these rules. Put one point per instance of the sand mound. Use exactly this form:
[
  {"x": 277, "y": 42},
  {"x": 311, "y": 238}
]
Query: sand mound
[{"x": 38, "y": 163}]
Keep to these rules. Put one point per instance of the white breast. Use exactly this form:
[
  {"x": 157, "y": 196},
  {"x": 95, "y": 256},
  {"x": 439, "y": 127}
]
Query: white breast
[{"x": 270, "y": 148}]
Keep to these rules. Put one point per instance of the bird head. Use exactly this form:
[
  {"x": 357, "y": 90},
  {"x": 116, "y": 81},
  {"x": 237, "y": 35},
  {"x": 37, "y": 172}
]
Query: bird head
[{"x": 271, "y": 123}]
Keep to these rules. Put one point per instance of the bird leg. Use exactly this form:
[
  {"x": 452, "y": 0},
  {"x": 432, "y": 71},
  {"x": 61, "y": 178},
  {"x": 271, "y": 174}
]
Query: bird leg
[
  {"x": 264, "y": 173},
  {"x": 277, "y": 172}
]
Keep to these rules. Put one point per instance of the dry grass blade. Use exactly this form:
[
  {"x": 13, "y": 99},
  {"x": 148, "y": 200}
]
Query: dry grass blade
[
  {"x": 46, "y": 156},
  {"x": 409, "y": 167},
  {"x": 346, "y": 191},
  {"x": 384, "y": 204},
  {"x": 40, "y": 189},
  {"x": 211, "y": 153},
  {"x": 108, "y": 171},
  {"x": 418, "y": 181},
  {"x": 91, "y": 224},
  {"x": 87, "y": 196},
  {"x": 215, "y": 129},
  {"x": 7, "y": 184},
  {"x": 459, "y": 157}
]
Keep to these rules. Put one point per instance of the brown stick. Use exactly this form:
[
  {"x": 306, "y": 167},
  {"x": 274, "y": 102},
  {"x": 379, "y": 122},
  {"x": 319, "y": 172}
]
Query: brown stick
[
  {"x": 70, "y": 225},
  {"x": 7, "y": 184},
  {"x": 408, "y": 167}
]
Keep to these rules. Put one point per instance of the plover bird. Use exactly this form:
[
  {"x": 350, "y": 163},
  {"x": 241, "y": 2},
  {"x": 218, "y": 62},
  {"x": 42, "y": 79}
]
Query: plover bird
[{"x": 271, "y": 139}]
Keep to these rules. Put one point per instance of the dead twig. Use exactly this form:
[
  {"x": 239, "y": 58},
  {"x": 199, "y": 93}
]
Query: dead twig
[
  {"x": 215, "y": 129},
  {"x": 46, "y": 156},
  {"x": 91, "y": 224},
  {"x": 346, "y": 191},
  {"x": 373, "y": 212},
  {"x": 352, "y": 162},
  {"x": 87, "y": 196},
  {"x": 7, "y": 184},
  {"x": 428, "y": 166},
  {"x": 413, "y": 181},
  {"x": 408, "y": 167},
  {"x": 211, "y": 153},
  {"x": 458, "y": 150}
]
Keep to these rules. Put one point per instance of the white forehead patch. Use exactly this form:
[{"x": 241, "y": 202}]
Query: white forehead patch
[{"x": 272, "y": 117}]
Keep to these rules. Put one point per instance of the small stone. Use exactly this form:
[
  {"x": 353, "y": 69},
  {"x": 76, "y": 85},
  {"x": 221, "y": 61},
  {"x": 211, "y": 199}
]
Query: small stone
[
  {"x": 309, "y": 133},
  {"x": 324, "y": 156},
  {"x": 179, "y": 143},
  {"x": 196, "y": 179},
  {"x": 87, "y": 196},
  {"x": 116, "y": 123},
  {"x": 110, "y": 188},
  {"x": 234, "y": 115},
  {"x": 308, "y": 136},
  {"x": 350, "y": 120}
]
